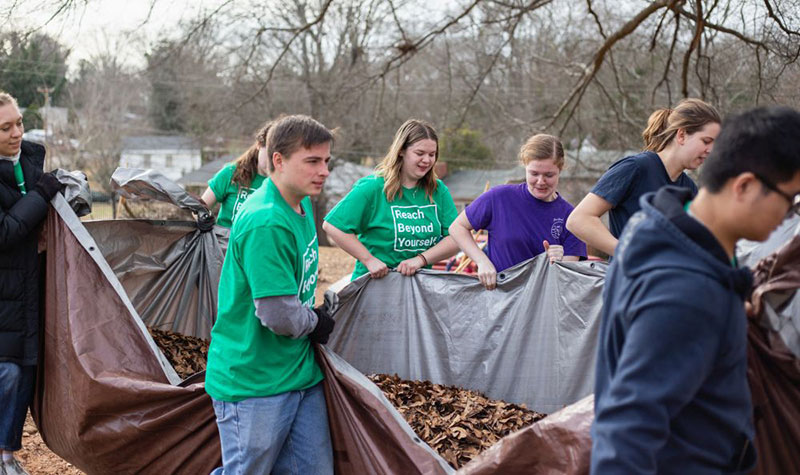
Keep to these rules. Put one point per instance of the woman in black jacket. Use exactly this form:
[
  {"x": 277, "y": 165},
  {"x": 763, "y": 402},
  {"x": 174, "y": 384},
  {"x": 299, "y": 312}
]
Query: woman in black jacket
[{"x": 25, "y": 192}]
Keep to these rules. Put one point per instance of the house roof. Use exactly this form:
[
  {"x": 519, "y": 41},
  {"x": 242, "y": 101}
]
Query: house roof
[
  {"x": 469, "y": 184},
  {"x": 201, "y": 176},
  {"x": 341, "y": 179},
  {"x": 159, "y": 142}
]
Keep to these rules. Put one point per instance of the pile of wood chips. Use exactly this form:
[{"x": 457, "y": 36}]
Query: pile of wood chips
[
  {"x": 457, "y": 423},
  {"x": 187, "y": 354}
]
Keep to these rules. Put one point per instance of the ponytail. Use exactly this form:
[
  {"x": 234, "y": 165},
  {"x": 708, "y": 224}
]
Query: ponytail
[
  {"x": 247, "y": 163},
  {"x": 690, "y": 115}
]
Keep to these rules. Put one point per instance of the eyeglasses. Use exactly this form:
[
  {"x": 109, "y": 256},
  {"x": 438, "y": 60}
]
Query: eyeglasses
[{"x": 794, "y": 201}]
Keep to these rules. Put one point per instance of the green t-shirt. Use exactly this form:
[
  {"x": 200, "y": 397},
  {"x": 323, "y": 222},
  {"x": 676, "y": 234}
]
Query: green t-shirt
[
  {"x": 272, "y": 252},
  {"x": 19, "y": 177},
  {"x": 396, "y": 231},
  {"x": 229, "y": 195}
]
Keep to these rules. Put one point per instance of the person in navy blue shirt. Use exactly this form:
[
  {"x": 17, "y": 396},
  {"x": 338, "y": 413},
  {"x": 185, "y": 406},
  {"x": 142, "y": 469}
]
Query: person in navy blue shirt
[
  {"x": 675, "y": 140},
  {"x": 523, "y": 220},
  {"x": 671, "y": 391}
]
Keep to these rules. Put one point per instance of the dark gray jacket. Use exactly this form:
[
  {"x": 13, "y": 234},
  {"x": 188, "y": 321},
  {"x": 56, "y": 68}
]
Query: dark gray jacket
[{"x": 20, "y": 221}]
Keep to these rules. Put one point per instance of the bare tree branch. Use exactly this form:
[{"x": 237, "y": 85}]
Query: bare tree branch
[
  {"x": 297, "y": 32},
  {"x": 577, "y": 92},
  {"x": 781, "y": 25},
  {"x": 489, "y": 69},
  {"x": 695, "y": 44},
  {"x": 668, "y": 65}
]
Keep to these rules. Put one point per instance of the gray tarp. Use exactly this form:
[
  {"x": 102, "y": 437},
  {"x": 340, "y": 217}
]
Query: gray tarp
[
  {"x": 136, "y": 183},
  {"x": 532, "y": 340},
  {"x": 170, "y": 269}
]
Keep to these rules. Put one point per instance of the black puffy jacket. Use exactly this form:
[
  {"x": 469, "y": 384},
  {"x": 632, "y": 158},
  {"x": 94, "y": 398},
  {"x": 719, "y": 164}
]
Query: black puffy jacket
[{"x": 21, "y": 217}]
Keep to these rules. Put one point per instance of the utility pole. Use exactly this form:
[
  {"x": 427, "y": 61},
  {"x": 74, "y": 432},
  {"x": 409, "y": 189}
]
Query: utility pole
[{"x": 48, "y": 157}]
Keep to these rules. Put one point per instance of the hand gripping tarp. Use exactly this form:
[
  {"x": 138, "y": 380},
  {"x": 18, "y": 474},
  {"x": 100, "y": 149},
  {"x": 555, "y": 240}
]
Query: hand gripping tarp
[
  {"x": 107, "y": 400},
  {"x": 531, "y": 340}
]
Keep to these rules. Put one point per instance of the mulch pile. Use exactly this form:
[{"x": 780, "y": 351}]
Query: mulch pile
[
  {"x": 187, "y": 354},
  {"x": 457, "y": 423}
]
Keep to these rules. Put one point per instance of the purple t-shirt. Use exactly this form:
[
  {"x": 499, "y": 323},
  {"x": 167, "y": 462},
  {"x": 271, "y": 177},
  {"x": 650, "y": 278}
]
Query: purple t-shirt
[{"x": 518, "y": 223}]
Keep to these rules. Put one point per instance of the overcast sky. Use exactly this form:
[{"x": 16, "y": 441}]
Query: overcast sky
[{"x": 104, "y": 25}]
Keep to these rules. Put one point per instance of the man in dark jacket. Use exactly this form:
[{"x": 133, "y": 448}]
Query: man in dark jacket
[
  {"x": 24, "y": 196},
  {"x": 671, "y": 393}
]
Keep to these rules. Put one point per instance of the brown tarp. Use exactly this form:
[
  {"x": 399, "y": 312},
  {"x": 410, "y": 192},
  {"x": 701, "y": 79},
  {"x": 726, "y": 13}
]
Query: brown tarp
[
  {"x": 558, "y": 444},
  {"x": 773, "y": 370},
  {"x": 104, "y": 401},
  {"x": 368, "y": 434},
  {"x": 108, "y": 402}
]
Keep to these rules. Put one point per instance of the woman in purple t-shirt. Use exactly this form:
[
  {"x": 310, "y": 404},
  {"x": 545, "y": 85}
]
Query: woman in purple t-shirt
[{"x": 523, "y": 220}]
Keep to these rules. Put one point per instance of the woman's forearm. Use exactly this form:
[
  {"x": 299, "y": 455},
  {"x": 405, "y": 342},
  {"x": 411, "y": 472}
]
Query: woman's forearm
[
  {"x": 349, "y": 243},
  {"x": 463, "y": 238},
  {"x": 443, "y": 249},
  {"x": 592, "y": 231}
]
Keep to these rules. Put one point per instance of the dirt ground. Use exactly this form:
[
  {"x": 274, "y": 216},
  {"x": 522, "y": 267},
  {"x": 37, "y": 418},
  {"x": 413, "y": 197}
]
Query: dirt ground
[{"x": 37, "y": 459}]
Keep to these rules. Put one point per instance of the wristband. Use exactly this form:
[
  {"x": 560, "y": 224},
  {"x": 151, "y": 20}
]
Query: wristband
[{"x": 423, "y": 259}]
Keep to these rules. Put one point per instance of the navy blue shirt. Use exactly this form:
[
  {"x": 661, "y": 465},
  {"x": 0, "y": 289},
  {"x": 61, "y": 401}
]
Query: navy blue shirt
[
  {"x": 630, "y": 178},
  {"x": 671, "y": 392}
]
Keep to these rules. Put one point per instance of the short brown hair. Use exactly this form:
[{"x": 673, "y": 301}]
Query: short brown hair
[
  {"x": 690, "y": 115},
  {"x": 287, "y": 134},
  {"x": 542, "y": 147}
]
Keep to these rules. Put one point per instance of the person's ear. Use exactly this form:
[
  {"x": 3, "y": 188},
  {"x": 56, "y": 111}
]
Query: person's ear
[
  {"x": 277, "y": 161},
  {"x": 680, "y": 136},
  {"x": 743, "y": 185}
]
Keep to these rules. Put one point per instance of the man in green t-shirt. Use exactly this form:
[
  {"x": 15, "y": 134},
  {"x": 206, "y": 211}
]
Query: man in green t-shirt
[{"x": 262, "y": 374}]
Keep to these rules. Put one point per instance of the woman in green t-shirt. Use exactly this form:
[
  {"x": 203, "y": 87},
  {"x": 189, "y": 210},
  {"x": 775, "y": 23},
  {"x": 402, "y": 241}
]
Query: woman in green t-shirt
[
  {"x": 237, "y": 180},
  {"x": 399, "y": 216}
]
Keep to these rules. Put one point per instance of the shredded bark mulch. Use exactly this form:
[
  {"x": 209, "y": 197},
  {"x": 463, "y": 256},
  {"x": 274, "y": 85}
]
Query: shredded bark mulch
[
  {"x": 459, "y": 424},
  {"x": 187, "y": 354}
]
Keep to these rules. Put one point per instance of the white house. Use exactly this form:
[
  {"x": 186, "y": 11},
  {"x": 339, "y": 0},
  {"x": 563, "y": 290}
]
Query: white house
[{"x": 173, "y": 156}]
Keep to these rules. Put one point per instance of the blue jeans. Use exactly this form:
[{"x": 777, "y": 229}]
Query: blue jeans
[
  {"x": 16, "y": 392},
  {"x": 283, "y": 434}
]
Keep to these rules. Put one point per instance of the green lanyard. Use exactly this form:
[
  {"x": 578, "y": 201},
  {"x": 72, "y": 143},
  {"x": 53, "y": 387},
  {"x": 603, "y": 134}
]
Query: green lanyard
[
  {"x": 734, "y": 261},
  {"x": 19, "y": 177}
]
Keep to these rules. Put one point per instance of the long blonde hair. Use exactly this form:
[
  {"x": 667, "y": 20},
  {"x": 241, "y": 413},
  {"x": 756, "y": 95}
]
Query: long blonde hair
[
  {"x": 411, "y": 132},
  {"x": 690, "y": 115}
]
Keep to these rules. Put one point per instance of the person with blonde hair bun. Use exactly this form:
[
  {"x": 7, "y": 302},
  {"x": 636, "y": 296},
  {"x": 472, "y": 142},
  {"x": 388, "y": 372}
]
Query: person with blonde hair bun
[
  {"x": 399, "y": 216},
  {"x": 675, "y": 140},
  {"x": 523, "y": 220}
]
